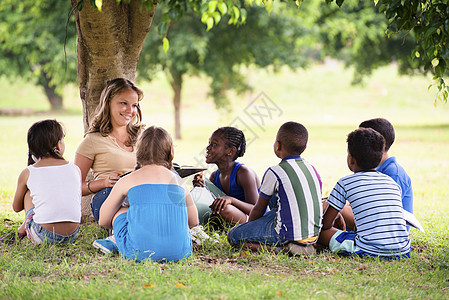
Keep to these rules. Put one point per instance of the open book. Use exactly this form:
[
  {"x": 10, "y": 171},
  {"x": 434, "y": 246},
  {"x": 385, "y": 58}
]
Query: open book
[
  {"x": 184, "y": 171},
  {"x": 411, "y": 220}
]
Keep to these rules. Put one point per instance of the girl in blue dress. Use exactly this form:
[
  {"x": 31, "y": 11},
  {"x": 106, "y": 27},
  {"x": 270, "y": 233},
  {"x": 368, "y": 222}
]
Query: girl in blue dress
[
  {"x": 156, "y": 224},
  {"x": 237, "y": 181}
]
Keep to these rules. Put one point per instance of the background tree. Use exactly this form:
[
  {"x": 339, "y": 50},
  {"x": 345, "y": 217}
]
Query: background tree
[
  {"x": 427, "y": 23},
  {"x": 37, "y": 43},
  {"x": 355, "y": 33},
  {"x": 275, "y": 40}
]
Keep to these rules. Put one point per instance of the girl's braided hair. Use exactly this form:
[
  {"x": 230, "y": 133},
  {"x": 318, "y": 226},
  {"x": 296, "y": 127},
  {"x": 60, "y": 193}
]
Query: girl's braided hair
[{"x": 234, "y": 138}]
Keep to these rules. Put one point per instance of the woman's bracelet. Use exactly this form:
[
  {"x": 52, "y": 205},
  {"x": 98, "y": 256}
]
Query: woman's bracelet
[{"x": 88, "y": 187}]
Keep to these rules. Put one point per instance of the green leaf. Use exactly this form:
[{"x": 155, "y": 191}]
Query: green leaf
[
  {"x": 162, "y": 28},
  {"x": 149, "y": 5},
  {"x": 99, "y": 4},
  {"x": 222, "y": 8},
  {"x": 210, "y": 23},
  {"x": 299, "y": 2},
  {"x": 269, "y": 6},
  {"x": 243, "y": 13},
  {"x": 217, "y": 17},
  {"x": 165, "y": 44},
  {"x": 236, "y": 12},
  {"x": 212, "y": 6}
]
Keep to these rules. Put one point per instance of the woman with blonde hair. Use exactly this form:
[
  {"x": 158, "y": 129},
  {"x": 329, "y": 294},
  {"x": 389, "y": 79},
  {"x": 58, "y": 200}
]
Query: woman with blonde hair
[{"x": 109, "y": 145}]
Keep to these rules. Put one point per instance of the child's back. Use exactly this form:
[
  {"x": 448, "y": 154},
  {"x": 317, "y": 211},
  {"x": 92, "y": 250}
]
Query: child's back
[
  {"x": 375, "y": 200},
  {"x": 292, "y": 189},
  {"x": 156, "y": 224},
  {"x": 47, "y": 185},
  {"x": 389, "y": 164},
  {"x": 298, "y": 189}
]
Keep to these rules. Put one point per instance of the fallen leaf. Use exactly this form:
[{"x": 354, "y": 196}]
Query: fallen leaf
[
  {"x": 146, "y": 286},
  {"x": 180, "y": 285},
  {"x": 279, "y": 293}
]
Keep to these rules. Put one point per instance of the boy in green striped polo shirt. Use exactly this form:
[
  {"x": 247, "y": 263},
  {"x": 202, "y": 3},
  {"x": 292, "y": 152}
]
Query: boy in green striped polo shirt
[{"x": 293, "y": 190}]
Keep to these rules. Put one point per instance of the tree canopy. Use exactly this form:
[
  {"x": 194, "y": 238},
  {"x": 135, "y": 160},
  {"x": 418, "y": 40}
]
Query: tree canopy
[
  {"x": 277, "y": 39},
  {"x": 37, "y": 42},
  {"x": 428, "y": 22}
]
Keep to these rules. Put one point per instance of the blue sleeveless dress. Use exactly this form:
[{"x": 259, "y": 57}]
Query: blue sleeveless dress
[
  {"x": 156, "y": 224},
  {"x": 234, "y": 190}
]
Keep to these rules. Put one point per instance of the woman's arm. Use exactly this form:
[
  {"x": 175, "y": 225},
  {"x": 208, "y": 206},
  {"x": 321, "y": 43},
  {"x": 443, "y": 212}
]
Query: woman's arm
[
  {"x": 85, "y": 164},
  {"x": 21, "y": 190}
]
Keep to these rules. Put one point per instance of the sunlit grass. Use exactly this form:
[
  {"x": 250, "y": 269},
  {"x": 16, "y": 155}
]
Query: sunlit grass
[{"x": 322, "y": 99}]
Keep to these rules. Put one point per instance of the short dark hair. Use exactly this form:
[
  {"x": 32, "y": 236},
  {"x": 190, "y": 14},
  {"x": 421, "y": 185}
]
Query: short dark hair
[
  {"x": 155, "y": 146},
  {"x": 233, "y": 137},
  {"x": 293, "y": 136},
  {"x": 42, "y": 138},
  {"x": 384, "y": 127},
  {"x": 366, "y": 145}
]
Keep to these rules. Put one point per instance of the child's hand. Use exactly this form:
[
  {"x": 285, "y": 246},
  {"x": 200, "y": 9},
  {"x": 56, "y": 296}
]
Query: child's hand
[
  {"x": 111, "y": 180},
  {"x": 198, "y": 180},
  {"x": 220, "y": 204}
]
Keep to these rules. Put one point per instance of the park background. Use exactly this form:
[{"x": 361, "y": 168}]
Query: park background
[
  {"x": 315, "y": 91},
  {"x": 320, "y": 97}
]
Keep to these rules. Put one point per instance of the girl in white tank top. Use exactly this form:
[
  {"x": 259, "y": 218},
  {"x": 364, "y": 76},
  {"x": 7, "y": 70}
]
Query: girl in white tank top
[{"x": 49, "y": 189}]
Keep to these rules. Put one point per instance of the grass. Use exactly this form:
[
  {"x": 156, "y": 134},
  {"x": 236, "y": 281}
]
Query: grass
[{"x": 320, "y": 98}]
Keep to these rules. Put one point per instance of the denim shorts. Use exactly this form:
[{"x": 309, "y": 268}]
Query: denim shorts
[
  {"x": 260, "y": 231},
  {"x": 39, "y": 234},
  {"x": 343, "y": 242},
  {"x": 97, "y": 202}
]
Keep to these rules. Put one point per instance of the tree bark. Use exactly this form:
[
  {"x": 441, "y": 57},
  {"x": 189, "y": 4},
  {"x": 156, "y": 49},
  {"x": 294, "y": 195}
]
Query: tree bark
[
  {"x": 176, "y": 84},
  {"x": 109, "y": 45},
  {"x": 53, "y": 97}
]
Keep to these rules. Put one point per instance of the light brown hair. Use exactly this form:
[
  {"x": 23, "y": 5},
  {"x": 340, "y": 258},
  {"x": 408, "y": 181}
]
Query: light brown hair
[
  {"x": 102, "y": 120},
  {"x": 155, "y": 146}
]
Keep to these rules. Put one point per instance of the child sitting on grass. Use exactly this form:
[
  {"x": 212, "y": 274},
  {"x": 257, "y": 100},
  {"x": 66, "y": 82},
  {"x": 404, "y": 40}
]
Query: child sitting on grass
[
  {"x": 156, "y": 224},
  {"x": 49, "y": 189},
  {"x": 295, "y": 220},
  {"x": 375, "y": 200},
  {"x": 237, "y": 181}
]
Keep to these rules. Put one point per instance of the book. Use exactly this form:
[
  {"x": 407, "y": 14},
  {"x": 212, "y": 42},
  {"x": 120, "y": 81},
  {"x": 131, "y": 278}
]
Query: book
[
  {"x": 411, "y": 220},
  {"x": 184, "y": 171}
]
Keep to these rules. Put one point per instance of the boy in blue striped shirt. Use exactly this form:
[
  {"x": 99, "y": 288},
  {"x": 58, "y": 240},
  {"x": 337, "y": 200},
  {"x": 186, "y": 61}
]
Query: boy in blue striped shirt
[
  {"x": 293, "y": 190},
  {"x": 375, "y": 200}
]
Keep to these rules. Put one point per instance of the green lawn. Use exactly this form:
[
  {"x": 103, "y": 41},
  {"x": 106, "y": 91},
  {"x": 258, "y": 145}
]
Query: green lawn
[{"x": 322, "y": 99}]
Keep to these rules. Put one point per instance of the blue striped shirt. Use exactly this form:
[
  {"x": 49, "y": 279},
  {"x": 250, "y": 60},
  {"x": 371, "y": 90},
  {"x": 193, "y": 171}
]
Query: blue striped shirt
[{"x": 377, "y": 207}]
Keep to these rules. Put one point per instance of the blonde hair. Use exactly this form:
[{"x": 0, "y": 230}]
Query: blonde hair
[
  {"x": 155, "y": 146},
  {"x": 102, "y": 119}
]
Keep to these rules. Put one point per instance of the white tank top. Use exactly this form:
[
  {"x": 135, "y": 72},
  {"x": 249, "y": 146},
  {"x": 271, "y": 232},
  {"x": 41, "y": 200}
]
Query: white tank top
[{"x": 56, "y": 193}]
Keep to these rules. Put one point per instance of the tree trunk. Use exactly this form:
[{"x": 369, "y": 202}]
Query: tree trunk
[
  {"x": 53, "y": 97},
  {"x": 176, "y": 84},
  {"x": 109, "y": 45}
]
